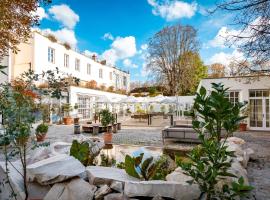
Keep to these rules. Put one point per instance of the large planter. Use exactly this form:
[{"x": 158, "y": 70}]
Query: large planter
[
  {"x": 119, "y": 126},
  {"x": 107, "y": 137},
  {"x": 68, "y": 120},
  {"x": 41, "y": 137},
  {"x": 76, "y": 120},
  {"x": 114, "y": 128},
  {"x": 242, "y": 127}
]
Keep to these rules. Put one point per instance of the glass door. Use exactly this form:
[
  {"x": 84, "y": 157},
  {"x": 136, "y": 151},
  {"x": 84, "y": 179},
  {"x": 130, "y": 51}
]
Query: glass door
[{"x": 259, "y": 116}]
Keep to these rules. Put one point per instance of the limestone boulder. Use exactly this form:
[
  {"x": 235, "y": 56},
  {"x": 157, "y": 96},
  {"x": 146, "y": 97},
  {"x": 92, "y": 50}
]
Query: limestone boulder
[
  {"x": 235, "y": 140},
  {"x": 106, "y": 175},
  {"x": 102, "y": 191},
  {"x": 178, "y": 191},
  {"x": 117, "y": 186},
  {"x": 75, "y": 189},
  {"x": 55, "y": 169},
  {"x": 116, "y": 196},
  {"x": 35, "y": 190},
  {"x": 178, "y": 176}
]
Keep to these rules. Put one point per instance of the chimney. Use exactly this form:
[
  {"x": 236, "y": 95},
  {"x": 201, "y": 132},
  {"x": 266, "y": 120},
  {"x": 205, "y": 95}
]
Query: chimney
[
  {"x": 103, "y": 62},
  {"x": 94, "y": 57}
]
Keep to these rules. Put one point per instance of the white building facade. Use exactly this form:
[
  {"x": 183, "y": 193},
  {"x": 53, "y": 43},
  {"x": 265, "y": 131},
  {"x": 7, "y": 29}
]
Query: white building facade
[
  {"x": 41, "y": 54},
  {"x": 254, "y": 90}
]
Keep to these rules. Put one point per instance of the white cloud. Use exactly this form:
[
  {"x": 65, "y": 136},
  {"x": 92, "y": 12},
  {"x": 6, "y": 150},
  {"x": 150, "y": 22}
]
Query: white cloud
[
  {"x": 107, "y": 36},
  {"x": 226, "y": 58},
  {"x": 128, "y": 63},
  {"x": 40, "y": 12},
  {"x": 90, "y": 53},
  {"x": 64, "y": 35},
  {"x": 64, "y": 14},
  {"x": 172, "y": 10},
  {"x": 144, "y": 72},
  {"x": 144, "y": 46},
  {"x": 121, "y": 48},
  {"x": 224, "y": 34}
]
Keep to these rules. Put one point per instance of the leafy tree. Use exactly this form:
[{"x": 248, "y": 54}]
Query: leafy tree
[
  {"x": 16, "y": 19},
  {"x": 213, "y": 116}
]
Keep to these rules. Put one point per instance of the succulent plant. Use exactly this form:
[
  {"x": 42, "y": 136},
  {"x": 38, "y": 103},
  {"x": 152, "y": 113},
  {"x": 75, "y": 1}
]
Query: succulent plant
[{"x": 136, "y": 167}]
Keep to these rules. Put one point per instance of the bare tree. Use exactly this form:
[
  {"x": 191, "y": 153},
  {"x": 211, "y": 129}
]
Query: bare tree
[
  {"x": 168, "y": 56},
  {"x": 252, "y": 18}
]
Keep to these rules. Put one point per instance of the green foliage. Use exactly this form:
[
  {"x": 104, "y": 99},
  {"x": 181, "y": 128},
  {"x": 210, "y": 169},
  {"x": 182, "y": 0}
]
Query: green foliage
[
  {"x": 82, "y": 152},
  {"x": 152, "y": 91},
  {"x": 106, "y": 117},
  {"x": 67, "y": 108},
  {"x": 2, "y": 69},
  {"x": 210, "y": 160},
  {"x": 163, "y": 168},
  {"x": 145, "y": 169},
  {"x": 42, "y": 128},
  {"x": 106, "y": 161}
]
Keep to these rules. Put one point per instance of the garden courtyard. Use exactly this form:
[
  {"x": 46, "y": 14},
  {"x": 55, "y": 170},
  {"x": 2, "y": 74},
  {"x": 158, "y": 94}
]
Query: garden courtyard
[{"x": 133, "y": 137}]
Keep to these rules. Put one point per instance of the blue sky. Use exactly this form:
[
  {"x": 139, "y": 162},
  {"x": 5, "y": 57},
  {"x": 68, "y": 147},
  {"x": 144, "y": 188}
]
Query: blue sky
[{"x": 119, "y": 30}]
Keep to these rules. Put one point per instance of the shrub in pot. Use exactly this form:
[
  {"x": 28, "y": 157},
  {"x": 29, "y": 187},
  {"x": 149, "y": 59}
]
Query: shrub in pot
[
  {"x": 106, "y": 120},
  {"x": 67, "y": 108},
  {"x": 243, "y": 123},
  {"x": 41, "y": 132}
]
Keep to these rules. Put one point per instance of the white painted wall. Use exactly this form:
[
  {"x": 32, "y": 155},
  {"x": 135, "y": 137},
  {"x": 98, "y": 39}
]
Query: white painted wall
[
  {"x": 243, "y": 84},
  {"x": 41, "y": 44}
]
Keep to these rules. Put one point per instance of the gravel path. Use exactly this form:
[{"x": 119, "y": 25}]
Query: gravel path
[{"x": 259, "y": 166}]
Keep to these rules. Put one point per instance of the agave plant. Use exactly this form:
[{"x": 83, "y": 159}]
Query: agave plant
[{"x": 136, "y": 167}]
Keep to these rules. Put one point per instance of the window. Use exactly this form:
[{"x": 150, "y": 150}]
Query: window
[
  {"x": 51, "y": 55},
  {"x": 88, "y": 69},
  {"x": 66, "y": 60},
  {"x": 125, "y": 81},
  {"x": 84, "y": 106},
  {"x": 233, "y": 96},
  {"x": 110, "y": 75},
  {"x": 100, "y": 73},
  {"x": 77, "y": 64}
]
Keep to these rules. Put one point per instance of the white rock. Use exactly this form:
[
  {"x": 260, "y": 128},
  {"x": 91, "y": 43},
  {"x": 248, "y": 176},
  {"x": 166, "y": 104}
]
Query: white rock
[
  {"x": 76, "y": 189},
  {"x": 250, "y": 153},
  {"x": 55, "y": 169},
  {"x": 102, "y": 191},
  {"x": 16, "y": 181},
  {"x": 174, "y": 190},
  {"x": 178, "y": 176},
  {"x": 117, "y": 186},
  {"x": 116, "y": 196},
  {"x": 35, "y": 190},
  {"x": 106, "y": 175},
  {"x": 235, "y": 140},
  {"x": 238, "y": 151}
]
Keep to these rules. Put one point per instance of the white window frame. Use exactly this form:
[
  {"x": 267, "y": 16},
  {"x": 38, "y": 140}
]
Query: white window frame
[
  {"x": 66, "y": 60},
  {"x": 232, "y": 98},
  {"x": 100, "y": 73},
  {"x": 88, "y": 69},
  {"x": 124, "y": 81},
  {"x": 77, "y": 64},
  {"x": 51, "y": 55}
]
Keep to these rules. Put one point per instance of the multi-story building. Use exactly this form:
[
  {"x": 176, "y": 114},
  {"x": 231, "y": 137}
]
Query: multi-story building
[{"x": 41, "y": 53}]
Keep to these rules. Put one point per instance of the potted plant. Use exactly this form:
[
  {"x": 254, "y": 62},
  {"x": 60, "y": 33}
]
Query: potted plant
[
  {"x": 67, "y": 108},
  {"x": 106, "y": 120},
  {"x": 243, "y": 123},
  {"x": 76, "y": 119},
  {"x": 41, "y": 132}
]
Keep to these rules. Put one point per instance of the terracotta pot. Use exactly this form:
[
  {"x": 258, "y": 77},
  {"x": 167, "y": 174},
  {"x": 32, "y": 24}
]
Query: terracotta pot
[
  {"x": 107, "y": 137},
  {"x": 242, "y": 127},
  {"x": 68, "y": 120},
  {"x": 114, "y": 128},
  {"x": 41, "y": 137},
  {"x": 76, "y": 120}
]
